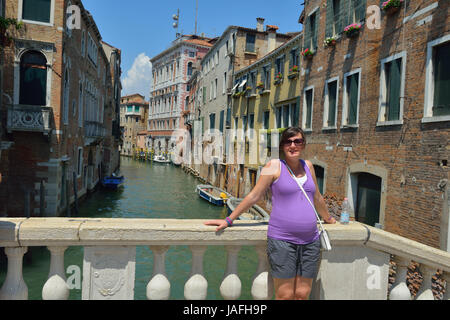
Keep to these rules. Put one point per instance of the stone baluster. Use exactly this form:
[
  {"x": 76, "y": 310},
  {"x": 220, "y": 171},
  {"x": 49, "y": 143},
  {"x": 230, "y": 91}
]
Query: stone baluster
[
  {"x": 425, "y": 292},
  {"x": 56, "y": 287},
  {"x": 446, "y": 277},
  {"x": 159, "y": 286},
  {"x": 14, "y": 287},
  {"x": 197, "y": 286},
  {"x": 231, "y": 285},
  {"x": 400, "y": 290},
  {"x": 262, "y": 287}
]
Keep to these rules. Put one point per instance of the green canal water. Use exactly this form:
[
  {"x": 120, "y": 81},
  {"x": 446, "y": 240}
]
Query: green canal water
[{"x": 151, "y": 191}]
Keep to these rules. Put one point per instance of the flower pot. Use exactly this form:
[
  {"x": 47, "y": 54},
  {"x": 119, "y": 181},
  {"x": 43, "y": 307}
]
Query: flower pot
[
  {"x": 352, "y": 34},
  {"x": 392, "y": 10}
]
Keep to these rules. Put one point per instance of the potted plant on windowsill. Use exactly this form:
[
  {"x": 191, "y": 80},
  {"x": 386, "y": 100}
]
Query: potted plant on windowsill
[
  {"x": 391, "y": 6},
  {"x": 260, "y": 86},
  {"x": 352, "y": 30},
  {"x": 293, "y": 72},
  {"x": 329, "y": 42},
  {"x": 308, "y": 54},
  {"x": 278, "y": 78}
]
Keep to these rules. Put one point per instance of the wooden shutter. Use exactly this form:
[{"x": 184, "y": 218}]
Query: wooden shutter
[
  {"x": 394, "y": 73},
  {"x": 441, "y": 105},
  {"x": 352, "y": 89},
  {"x": 360, "y": 9},
  {"x": 345, "y": 13},
  {"x": 330, "y": 19},
  {"x": 309, "y": 101},
  {"x": 332, "y": 90},
  {"x": 307, "y": 34},
  {"x": 316, "y": 30}
]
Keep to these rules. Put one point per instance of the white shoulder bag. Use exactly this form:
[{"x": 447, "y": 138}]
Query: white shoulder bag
[{"x": 324, "y": 238}]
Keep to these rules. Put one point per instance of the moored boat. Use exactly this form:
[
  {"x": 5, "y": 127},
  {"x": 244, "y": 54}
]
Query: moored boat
[
  {"x": 112, "y": 182},
  {"x": 212, "y": 194},
  {"x": 161, "y": 159},
  {"x": 254, "y": 213}
]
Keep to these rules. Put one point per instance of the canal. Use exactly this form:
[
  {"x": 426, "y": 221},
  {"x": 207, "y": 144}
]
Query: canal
[{"x": 151, "y": 191}]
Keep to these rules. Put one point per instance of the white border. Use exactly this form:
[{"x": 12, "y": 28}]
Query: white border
[
  {"x": 429, "y": 83},
  {"x": 381, "y": 121}
]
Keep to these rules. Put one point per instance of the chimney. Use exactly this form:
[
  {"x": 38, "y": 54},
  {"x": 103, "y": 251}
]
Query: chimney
[
  {"x": 272, "y": 40},
  {"x": 260, "y": 24}
]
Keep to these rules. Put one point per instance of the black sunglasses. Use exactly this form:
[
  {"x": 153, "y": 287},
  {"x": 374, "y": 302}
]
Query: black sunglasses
[{"x": 297, "y": 142}]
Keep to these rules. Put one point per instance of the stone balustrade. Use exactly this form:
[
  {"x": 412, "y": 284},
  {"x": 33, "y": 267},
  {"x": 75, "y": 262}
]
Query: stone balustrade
[
  {"x": 29, "y": 118},
  {"x": 356, "y": 268}
]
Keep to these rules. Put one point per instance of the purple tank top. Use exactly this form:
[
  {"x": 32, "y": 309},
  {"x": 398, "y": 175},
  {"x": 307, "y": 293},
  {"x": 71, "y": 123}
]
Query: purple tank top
[{"x": 292, "y": 218}]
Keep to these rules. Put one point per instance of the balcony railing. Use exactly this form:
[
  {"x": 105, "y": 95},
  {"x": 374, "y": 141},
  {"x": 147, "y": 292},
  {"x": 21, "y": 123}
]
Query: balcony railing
[
  {"x": 356, "y": 268},
  {"x": 94, "y": 129},
  {"x": 29, "y": 118}
]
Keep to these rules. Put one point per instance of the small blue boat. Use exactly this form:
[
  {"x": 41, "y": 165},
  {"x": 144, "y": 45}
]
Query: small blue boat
[
  {"x": 212, "y": 194},
  {"x": 254, "y": 213},
  {"x": 112, "y": 182}
]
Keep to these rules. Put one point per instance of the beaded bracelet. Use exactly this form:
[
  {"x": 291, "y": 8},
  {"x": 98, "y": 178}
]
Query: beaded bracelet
[{"x": 229, "y": 221}]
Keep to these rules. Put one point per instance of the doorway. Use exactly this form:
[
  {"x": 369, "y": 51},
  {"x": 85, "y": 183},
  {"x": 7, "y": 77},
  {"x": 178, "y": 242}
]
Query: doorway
[{"x": 368, "y": 198}]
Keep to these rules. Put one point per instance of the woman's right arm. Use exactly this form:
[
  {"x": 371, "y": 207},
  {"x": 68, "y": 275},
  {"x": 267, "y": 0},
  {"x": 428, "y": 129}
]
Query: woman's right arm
[{"x": 268, "y": 175}]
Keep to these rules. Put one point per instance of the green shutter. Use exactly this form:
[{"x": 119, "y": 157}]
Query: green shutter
[
  {"x": 394, "y": 82},
  {"x": 332, "y": 90},
  {"x": 441, "y": 105},
  {"x": 222, "y": 115},
  {"x": 307, "y": 34},
  {"x": 360, "y": 9},
  {"x": 316, "y": 29},
  {"x": 330, "y": 19},
  {"x": 309, "y": 101},
  {"x": 352, "y": 90},
  {"x": 36, "y": 10},
  {"x": 344, "y": 13}
]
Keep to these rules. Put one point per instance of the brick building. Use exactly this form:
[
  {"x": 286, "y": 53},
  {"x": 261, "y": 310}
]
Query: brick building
[
  {"x": 376, "y": 110},
  {"x": 58, "y": 79}
]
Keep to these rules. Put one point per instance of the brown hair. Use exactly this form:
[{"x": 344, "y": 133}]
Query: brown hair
[{"x": 289, "y": 133}]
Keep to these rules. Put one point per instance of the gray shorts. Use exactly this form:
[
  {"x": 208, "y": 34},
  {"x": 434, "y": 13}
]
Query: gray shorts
[{"x": 288, "y": 260}]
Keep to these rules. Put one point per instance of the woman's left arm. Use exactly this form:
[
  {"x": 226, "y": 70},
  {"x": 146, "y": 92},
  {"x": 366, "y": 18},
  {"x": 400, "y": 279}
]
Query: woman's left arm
[{"x": 319, "y": 202}]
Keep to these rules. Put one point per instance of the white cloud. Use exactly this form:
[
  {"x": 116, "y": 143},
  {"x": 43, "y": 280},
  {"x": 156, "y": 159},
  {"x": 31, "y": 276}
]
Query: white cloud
[{"x": 139, "y": 78}]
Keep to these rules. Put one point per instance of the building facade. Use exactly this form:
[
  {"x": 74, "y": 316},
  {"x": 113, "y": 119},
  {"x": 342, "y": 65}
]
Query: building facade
[
  {"x": 134, "y": 112},
  {"x": 237, "y": 48},
  {"x": 376, "y": 111},
  {"x": 58, "y": 79},
  {"x": 169, "y": 96}
]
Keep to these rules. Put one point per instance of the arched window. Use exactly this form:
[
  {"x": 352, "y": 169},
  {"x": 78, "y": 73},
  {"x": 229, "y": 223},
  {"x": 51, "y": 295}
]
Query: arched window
[{"x": 33, "y": 79}]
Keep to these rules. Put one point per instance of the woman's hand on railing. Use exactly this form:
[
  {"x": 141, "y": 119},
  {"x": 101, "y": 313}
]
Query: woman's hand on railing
[
  {"x": 221, "y": 224},
  {"x": 330, "y": 220}
]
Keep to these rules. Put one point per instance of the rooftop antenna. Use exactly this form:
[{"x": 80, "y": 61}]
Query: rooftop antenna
[
  {"x": 196, "y": 16},
  {"x": 176, "y": 18}
]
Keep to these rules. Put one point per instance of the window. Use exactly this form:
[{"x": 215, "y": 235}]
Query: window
[
  {"x": 250, "y": 43},
  {"x": 286, "y": 117},
  {"x": 356, "y": 10},
  {"x": 80, "y": 105},
  {"x": 266, "y": 119},
  {"x": 212, "y": 121},
  {"x": 83, "y": 43},
  {"x": 351, "y": 98},
  {"x": 66, "y": 97},
  {"x": 33, "y": 79},
  {"x": 320, "y": 177},
  {"x": 308, "y": 104},
  {"x": 335, "y": 20},
  {"x": 191, "y": 54},
  {"x": 278, "y": 116},
  {"x": 251, "y": 125},
  {"x": 311, "y": 30},
  {"x": 92, "y": 50},
  {"x": 294, "y": 58},
  {"x": 279, "y": 65},
  {"x": 437, "y": 93},
  {"x": 331, "y": 101},
  {"x": 265, "y": 77},
  {"x": 293, "y": 115},
  {"x": 189, "y": 69},
  {"x": 222, "y": 116},
  {"x": 216, "y": 84},
  {"x": 80, "y": 161},
  {"x": 392, "y": 82},
  {"x": 37, "y": 10},
  {"x": 224, "y": 83},
  {"x": 252, "y": 83}
]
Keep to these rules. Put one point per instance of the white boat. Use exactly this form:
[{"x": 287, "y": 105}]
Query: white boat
[
  {"x": 255, "y": 212},
  {"x": 161, "y": 159},
  {"x": 212, "y": 194}
]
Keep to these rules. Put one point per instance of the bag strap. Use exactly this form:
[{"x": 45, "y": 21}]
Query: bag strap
[{"x": 304, "y": 192}]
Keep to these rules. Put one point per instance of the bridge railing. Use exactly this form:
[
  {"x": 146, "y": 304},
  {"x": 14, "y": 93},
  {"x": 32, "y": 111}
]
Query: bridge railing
[{"x": 356, "y": 268}]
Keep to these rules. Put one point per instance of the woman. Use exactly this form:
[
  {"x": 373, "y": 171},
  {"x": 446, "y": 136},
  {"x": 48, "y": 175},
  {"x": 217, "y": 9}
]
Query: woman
[{"x": 293, "y": 244}]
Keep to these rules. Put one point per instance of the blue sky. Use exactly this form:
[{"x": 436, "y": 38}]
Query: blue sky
[{"x": 143, "y": 28}]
